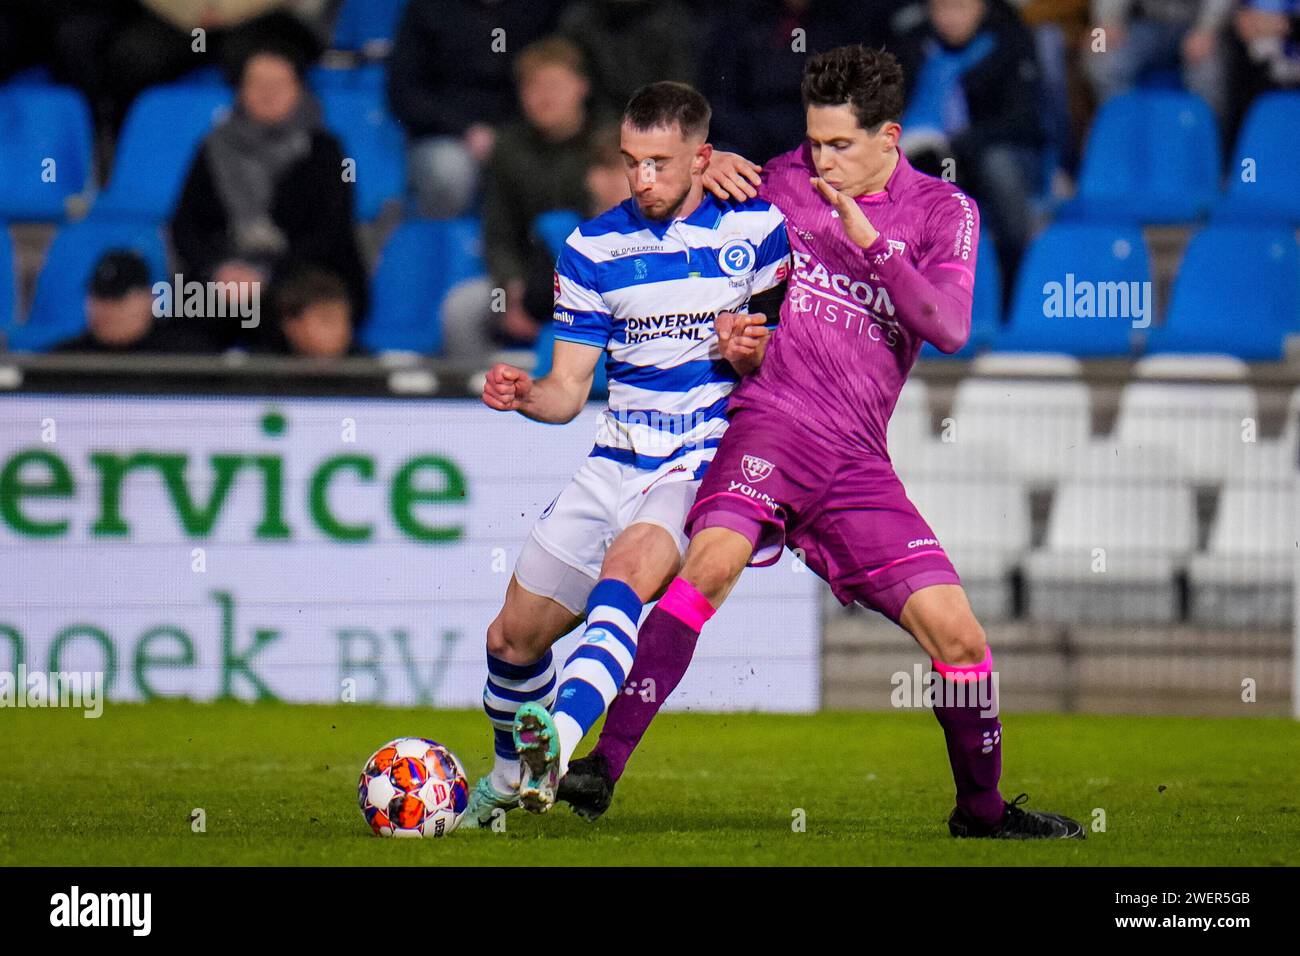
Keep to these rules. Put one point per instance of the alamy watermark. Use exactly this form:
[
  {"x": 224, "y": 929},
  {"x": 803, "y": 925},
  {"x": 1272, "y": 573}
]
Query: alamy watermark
[
  {"x": 931, "y": 689},
  {"x": 213, "y": 300},
  {"x": 78, "y": 690},
  {"x": 1084, "y": 299}
]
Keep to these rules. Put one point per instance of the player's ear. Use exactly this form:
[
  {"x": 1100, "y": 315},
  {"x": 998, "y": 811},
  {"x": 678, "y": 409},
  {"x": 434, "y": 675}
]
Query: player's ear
[
  {"x": 701, "y": 160},
  {"x": 890, "y": 133}
]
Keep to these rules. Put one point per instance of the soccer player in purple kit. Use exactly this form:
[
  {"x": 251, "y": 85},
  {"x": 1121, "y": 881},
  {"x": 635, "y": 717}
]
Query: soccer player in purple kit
[{"x": 884, "y": 260}]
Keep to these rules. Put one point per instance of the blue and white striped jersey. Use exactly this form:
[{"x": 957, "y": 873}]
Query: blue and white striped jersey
[{"x": 647, "y": 292}]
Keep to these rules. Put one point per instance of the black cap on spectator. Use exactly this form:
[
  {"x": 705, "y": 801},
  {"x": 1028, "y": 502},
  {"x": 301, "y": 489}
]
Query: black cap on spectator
[{"x": 117, "y": 273}]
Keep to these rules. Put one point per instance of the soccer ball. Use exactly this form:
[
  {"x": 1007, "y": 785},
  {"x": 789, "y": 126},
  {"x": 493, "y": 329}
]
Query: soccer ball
[{"x": 413, "y": 787}]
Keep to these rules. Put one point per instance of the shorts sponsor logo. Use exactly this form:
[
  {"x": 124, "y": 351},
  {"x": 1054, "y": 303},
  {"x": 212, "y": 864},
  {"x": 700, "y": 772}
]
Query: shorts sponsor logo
[
  {"x": 923, "y": 543},
  {"x": 755, "y": 468},
  {"x": 750, "y": 492}
]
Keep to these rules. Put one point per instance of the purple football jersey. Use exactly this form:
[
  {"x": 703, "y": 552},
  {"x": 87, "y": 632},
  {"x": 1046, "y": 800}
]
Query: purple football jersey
[{"x": 840, "y": 355}]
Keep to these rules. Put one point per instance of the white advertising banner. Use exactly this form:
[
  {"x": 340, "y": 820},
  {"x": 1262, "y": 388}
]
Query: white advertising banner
[{"x": 305, "y": 549}]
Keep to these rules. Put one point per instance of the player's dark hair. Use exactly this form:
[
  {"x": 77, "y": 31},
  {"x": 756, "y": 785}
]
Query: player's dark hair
[
  {"x": 871, "y": 81},
  {"x": 667, "y": 104}
]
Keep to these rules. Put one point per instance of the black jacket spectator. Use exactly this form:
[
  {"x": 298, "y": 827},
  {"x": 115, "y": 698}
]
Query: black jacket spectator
[
  {"x": 447, "y": 72},
  {"x": 752, "y": 66},
  {"x": 264, "y": 195},
  {"x": 630, "y": 43},
  {"x": 527, "y": 176},
  {"x": 1003, "y": 91}
]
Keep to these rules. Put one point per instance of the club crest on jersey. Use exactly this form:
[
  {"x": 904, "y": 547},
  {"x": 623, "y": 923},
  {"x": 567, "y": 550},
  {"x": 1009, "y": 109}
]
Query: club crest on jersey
[
  {"x": 737, "y": 257},
  {"x": 755, "y": 468}
]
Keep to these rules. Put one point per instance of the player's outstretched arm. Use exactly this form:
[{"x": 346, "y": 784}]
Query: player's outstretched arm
[{"x": 555, "y": 398}]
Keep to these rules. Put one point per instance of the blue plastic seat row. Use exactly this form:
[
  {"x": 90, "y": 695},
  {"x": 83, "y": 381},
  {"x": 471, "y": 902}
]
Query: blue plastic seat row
[
  {"x": 1085, "y": 289},
  {"x": 1154, "y": 157},
  {"x": 46, "y": 154}
]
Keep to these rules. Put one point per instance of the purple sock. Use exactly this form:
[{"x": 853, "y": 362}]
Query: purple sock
[
  {"x": 969, "y": 718},
  {"x": 665, "y": 645}
]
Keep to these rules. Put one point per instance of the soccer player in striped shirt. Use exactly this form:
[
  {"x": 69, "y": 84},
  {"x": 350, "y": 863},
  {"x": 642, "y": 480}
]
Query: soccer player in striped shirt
[
  {"x": 883, "y": 261},
  {"x": 652, "y": 287}
]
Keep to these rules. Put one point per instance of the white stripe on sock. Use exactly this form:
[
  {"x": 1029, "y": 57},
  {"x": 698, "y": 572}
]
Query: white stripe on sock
[{"x": 607, "y": 612}]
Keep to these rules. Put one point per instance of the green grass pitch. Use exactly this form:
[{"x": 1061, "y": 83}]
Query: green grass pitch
[{"x": 278, "y": 785}]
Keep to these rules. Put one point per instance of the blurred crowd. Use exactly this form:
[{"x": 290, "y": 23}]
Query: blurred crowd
[{"x": 509, "y": 110}]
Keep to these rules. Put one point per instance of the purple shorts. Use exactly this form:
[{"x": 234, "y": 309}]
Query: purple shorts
[{"x": 846, "y": 515}]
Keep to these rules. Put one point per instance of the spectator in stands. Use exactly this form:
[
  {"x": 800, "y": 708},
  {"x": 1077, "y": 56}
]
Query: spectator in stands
[
  {"x": 1060, "y": 28},
  {"x": 627, "y": 44},
  {"x": 539, "y": 164},
  {"x": 752, "y": 66},
  {"x": 165, "y": 39},
  {"x": 313, "y": 316},
  {"x": 1147, "y": 36},
  {"x": 606, "y": 177},
  {"x": 973, "y": 112},
  {"x": 265, "y": 191},
  {"x": 449, "y": 84},
  {"x": 1263, "y": 54},
  {"x": 120, "y": 313}
]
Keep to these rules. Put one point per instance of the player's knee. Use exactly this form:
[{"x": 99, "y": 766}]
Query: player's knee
[
  {"x": 508, "y": 647},
  {"x": 962, "y": 643}
]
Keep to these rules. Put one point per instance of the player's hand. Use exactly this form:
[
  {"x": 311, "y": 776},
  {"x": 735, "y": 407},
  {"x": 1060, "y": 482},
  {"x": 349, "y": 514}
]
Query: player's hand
[
  {"x": 740, "y": 336},
  {"x": 506, "y": 387},
  {"x": 732, "y": 176},
  {"x": 855, "y": 222}
]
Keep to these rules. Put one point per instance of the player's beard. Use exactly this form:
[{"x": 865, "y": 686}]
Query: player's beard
[{"x": 671, "y": 210}]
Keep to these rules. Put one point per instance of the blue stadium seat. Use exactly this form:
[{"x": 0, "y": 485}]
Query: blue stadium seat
[
  {"x": 554, "y": 227},
  {"x": 203, "y": 76},
  {"x": 1152, "y": 156},
  {"x": 368, "y": 26},
  {"x": 1050, "y": 292},
  {"x": 8, "y": 291},
  {"x": 1267, "y": 142},
  {"x": 368, "y": 76},
  {"x": 544, "y": 347},
  {"x": 986, "y": 309},
  {"x": 162, "y": 133},
  {"x": 1237, "y": 293},
  {"x": 372, "y": 138},
  {"x": 58, "y": 308},
  {"x": 419, "y": 265},
  {"x": 43, "y": 123}
]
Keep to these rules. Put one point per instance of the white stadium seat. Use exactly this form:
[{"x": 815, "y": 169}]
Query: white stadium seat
[
  {"x": 1202, "y": 422},
  {"x": 909, "y": 426},
  {"x": 1246, "y": 576},
  {"x": 1034, "y": 423},
  {"x": 982, "y": 521},
  {"x": 1120, "y": 529}
]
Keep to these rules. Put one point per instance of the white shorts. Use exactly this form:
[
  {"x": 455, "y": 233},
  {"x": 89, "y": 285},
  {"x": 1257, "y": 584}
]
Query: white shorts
[{"x": 604, "y": 497}]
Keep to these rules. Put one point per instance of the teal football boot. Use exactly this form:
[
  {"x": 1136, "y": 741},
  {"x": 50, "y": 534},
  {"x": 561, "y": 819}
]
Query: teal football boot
[{"x": 538, "y": 745}]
